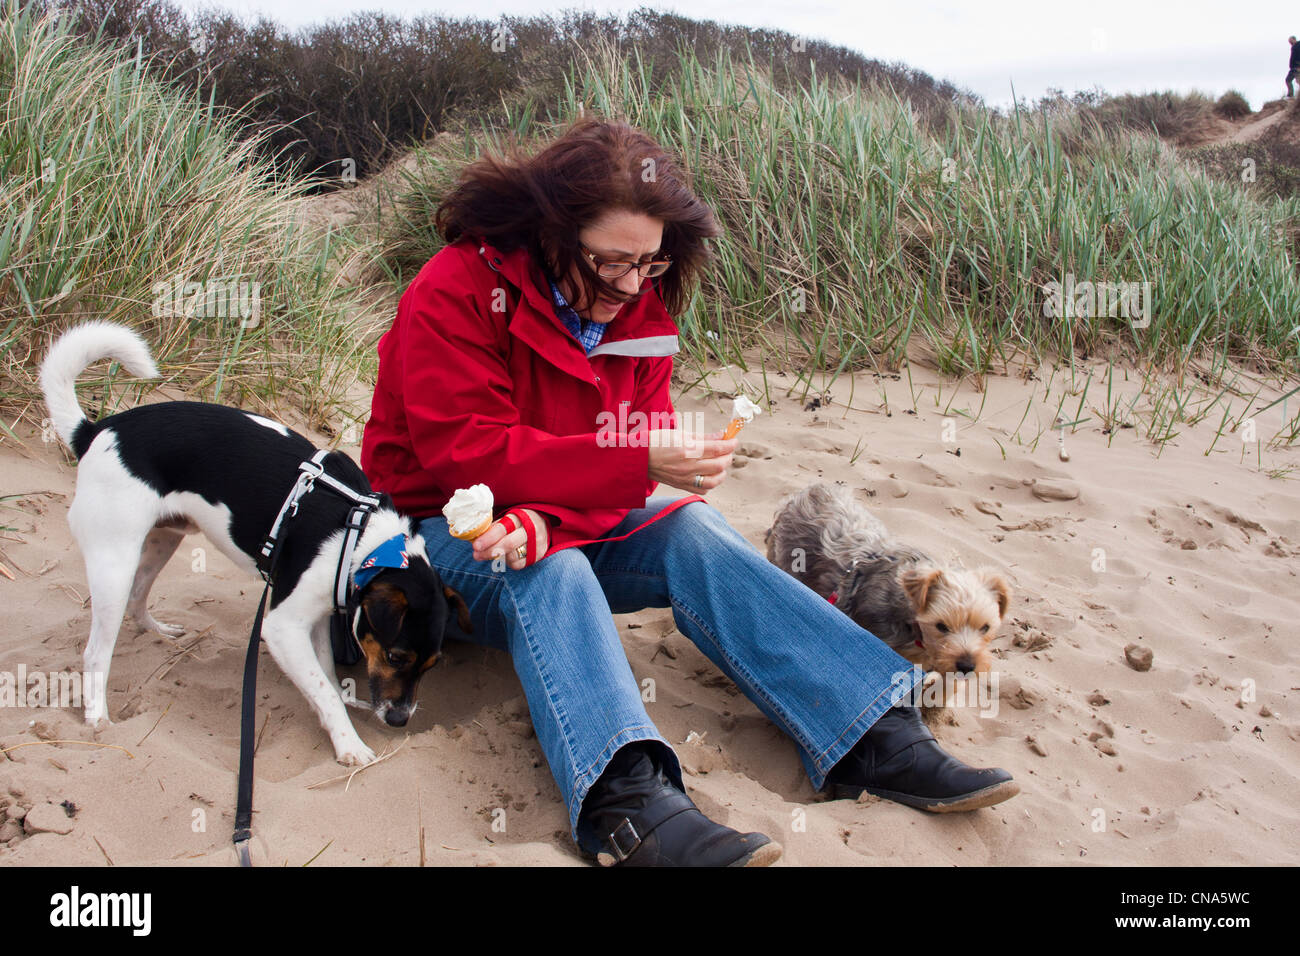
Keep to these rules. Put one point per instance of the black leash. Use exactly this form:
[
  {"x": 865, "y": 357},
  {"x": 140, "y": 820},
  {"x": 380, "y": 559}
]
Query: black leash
[
  {"x": 244, "y": 802},
  {"x": 358, "y": 517}
]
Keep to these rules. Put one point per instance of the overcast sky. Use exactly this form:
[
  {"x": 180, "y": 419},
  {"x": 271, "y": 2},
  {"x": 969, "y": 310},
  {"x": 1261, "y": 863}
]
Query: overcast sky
[{"x": 1120, "y": 45}]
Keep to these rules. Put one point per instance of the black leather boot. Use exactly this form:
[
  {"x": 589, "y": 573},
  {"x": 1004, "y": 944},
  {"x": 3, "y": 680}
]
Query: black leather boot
[
  {"x": 899, "y": 759},
  {"x": 634, "y": 816}
]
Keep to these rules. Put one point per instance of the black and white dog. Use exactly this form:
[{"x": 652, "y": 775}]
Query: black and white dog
[{"x": 148, "y": 476}]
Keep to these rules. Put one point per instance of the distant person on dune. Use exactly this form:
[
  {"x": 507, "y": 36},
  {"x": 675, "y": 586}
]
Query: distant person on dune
[{"x": 1294, "y": 72}]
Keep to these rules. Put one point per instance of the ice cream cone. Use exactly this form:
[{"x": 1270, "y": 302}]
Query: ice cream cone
[
  {"x": 469, "y": 512},
  {"x": 473, "y": 532},
  {"x": 742, "y": 411}
]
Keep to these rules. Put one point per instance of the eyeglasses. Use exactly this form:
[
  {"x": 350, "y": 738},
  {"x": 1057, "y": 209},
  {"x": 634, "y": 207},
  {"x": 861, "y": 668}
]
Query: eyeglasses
[{"x": 614, "y": 269}]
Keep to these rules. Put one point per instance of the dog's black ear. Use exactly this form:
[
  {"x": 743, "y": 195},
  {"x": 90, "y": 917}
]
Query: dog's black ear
[
  {"x": 462, "y": 609},
  {"x": 383, "y": 607}
]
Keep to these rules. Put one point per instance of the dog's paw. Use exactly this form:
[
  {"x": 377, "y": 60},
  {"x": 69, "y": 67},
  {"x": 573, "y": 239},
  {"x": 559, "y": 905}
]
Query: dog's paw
[
  {"x": 357, "y": 755},
  {"x": 98, "y": 722}
]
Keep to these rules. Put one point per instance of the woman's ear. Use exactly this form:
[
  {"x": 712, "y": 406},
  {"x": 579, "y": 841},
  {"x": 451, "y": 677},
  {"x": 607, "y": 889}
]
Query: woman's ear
[
  {"x": 550, "y": 249},
  {"x": 550, "y": 256}
]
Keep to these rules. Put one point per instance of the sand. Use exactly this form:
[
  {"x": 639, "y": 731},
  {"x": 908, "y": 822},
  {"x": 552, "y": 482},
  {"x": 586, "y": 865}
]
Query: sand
[{"x": 1189, "y": 555}]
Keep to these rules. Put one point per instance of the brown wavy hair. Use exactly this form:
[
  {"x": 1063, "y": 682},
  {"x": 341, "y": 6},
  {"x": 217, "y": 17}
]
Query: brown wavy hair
[{"x": 594, "y": 166}]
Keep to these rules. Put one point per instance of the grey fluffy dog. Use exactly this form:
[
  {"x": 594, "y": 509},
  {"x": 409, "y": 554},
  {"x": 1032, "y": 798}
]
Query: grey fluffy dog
[{"x": 940, "y": 617}]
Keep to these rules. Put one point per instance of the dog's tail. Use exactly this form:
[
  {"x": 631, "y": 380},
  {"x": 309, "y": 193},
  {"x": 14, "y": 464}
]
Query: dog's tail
[{"x": 72, "y": 353}]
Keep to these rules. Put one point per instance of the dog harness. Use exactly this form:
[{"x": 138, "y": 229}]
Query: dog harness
[
  {"x": 363, "y": 506},
  {"x": 343, "y": 638}
]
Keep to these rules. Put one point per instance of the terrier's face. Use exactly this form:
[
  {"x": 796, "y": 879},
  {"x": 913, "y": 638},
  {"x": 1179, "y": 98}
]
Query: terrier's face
[
  {"x": 959, "y": 613},
  {"x": 400, "y": 622}
]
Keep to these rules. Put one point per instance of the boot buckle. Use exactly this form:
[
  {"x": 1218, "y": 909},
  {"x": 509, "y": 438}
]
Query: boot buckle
[{"x": 624, "y": 835}]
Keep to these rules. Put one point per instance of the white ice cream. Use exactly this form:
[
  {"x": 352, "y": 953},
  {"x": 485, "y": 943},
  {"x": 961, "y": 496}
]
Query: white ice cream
[
  {"x": 468, "y": 508},
  {"x": 744, "y": 409}
]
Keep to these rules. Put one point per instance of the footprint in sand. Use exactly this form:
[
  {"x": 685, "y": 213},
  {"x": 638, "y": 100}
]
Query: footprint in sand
[
  {"x": 1184, "y": 529},
  {"x": 1242, "y": 524},
  {"x": 1280, "y": 547}
]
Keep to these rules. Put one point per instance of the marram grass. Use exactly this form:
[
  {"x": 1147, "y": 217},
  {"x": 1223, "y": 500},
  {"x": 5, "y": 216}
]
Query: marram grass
[
  {"x": 124, "y": 199},
  {"x": 857, "y": 232}
]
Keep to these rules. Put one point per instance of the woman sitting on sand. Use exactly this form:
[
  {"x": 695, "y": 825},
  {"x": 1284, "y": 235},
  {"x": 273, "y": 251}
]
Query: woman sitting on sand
[{"x": 545, "y": 318}]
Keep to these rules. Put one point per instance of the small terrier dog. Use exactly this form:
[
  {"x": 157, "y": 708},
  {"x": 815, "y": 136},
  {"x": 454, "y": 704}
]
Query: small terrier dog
[
  {"x": 150, "y": 475},
  {"x": 940, "y": 617}
]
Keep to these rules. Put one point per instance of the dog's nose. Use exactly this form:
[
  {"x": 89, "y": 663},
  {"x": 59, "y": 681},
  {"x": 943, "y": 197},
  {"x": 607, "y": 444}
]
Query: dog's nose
[
  {"x": 966, "y": 665},
  {"x": 397, "y": 716}
]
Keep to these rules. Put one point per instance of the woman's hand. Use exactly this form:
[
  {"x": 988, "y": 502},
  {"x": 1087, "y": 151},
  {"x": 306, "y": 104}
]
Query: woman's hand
[
  {"x": 676, "y": 458},
  {"x": 495, "y": 541}
]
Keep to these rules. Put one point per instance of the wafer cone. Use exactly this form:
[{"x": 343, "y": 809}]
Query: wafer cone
[
  {"x": 473, "y": 532},
  {"x": 733, "y": 429}
]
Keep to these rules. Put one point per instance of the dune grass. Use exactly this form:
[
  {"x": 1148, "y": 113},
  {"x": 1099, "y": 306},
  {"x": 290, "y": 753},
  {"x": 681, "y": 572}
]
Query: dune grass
[
  {"x": 859, "y": 233},
  {"x": 116, "y": 189},
  {"x": 855, "y": 232}
]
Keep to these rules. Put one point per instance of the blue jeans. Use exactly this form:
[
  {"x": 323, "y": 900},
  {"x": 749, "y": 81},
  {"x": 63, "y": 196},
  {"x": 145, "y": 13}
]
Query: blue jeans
[{"x": 805, "y": 665}]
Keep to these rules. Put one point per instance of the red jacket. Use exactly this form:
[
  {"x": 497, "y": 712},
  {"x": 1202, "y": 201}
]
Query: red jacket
[{"x": 480, "y": 381}]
